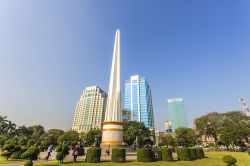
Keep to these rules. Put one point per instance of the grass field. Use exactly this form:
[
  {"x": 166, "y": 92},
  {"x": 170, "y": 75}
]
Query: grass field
[
  {"x": 4, "y": 161},
  {"x": 214, "y": 159}
]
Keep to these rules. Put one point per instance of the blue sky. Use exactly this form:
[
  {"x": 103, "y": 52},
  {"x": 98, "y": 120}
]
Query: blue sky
[{"x": 50, "y": 50}]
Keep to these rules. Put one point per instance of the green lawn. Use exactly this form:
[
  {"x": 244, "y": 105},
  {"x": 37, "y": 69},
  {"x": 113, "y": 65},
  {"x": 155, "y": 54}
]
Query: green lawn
[
  {"x": 3, "y": 160},
  {"x": 214, "y": 159}
]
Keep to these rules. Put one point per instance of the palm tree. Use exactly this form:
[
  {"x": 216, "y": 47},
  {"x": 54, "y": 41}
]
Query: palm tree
[
  {"x": 11, "y": 127},
  {"x": 3, "y": 124},
  {"x": 24, "y": 131}
]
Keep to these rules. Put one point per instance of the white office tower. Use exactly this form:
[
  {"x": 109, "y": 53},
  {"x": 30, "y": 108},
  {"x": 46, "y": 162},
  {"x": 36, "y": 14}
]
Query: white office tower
[
  {"x": 112, "y": 133},
  {"x": 168, "y": 126},
  {"x": 90, "y": 109}
]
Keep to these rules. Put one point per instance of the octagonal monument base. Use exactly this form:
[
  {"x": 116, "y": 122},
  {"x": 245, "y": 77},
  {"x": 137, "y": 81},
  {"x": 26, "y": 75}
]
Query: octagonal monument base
[{"x": 112, "y": 134}]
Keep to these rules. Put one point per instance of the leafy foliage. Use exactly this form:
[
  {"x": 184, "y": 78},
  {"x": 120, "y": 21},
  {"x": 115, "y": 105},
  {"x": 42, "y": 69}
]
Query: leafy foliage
[
  {"x": 200, "y": 153},
  {"x": 133, "y": 129},
  {"x": 93, "y": 155},
  {"x": 209, "y": 125},
  {"x": 185, "y": 137},
  {"x": 167, "y": 140},
  {"x": 193, "y": 153},
  {"x": 229, "y": 129},
  {"x": 31, "y": 154},
  {"x": 118, "y": 155},
  {"x": 229, "y": 159},
  {"x": 144, "y": 154},
  {"x": 91, "y": 136},
  {"x": 166, "y": 154},
  {"x": 70, "y": 137},
  {"x": 184, "y": 154},
  {"x": 62, "y": 151},
  {"x": 28, "y": 163}
]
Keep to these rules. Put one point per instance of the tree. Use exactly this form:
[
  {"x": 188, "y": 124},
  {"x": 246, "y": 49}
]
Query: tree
[
  {"x": 209, "y": 125},
  {"x": 167, "y": 140},
  {"x": 235, "y": 129},
  {"x": 92, "y": 136},
  {"x": 31, "y": 154},
  {"x": 133, "y": 130},
  {"x": 10, "y": 147},
  {"x": 24, "y": 131},
  {"x": 50, "y": 137},
  {"x": 3, "y": 124},
  {"x": 70, "y": 137},
  {"x": 185, "y": 136},
  {"x": 37, "y": 131},
  {"x": 62, "y": 151}
]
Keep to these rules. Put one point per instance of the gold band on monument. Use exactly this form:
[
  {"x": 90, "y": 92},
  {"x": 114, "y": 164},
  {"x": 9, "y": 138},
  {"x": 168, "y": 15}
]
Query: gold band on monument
[
  {"x": 112, "y": 142},
  {"x": 112, "y": 122},
  {"x": 112, "y": 129}
]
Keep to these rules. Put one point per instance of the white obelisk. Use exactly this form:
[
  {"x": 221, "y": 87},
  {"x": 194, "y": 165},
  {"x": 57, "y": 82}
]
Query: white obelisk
[{"x": 112, "y": 131}]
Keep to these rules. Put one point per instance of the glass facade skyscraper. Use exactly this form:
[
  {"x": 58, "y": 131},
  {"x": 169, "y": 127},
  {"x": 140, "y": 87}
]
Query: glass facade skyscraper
[
  {"x": 177, "y": 113},
  {"x": 138, "y": 99}
]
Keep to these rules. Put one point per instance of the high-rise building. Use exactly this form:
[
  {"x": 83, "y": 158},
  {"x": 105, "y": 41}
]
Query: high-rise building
[
  {"x": 168, "y": 126},
  {"x": 177, "y": 113},
  {"x": 138, "y": 99},
  {"x": 90, "y": 109}
]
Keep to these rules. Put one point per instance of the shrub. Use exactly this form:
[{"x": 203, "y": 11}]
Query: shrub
[
  {"x": 144, "y": 154},
  {"x": 248, "y": 152},
  {"x": 184, "y": 154},
  {"x": 93, "y": 155},
  {"x": 229, "y": 159},
  {"x": 28, "y": 163},
  {"x": 166, "y": 154},
  {"x": 17, "y": 155},
  {"x": 118, "y": 155},
  {"x": 193, "y": 153},
  {"x": 200, "y": 153},
  {"x": 81, "y": 151},
  {"x": 31, "y": 154},
  {"x": 62, "y": 151},
  {"x": 6, "y": 154},
  {"x": 59, "y": 156},
  {"x": 157, "y": 156}
]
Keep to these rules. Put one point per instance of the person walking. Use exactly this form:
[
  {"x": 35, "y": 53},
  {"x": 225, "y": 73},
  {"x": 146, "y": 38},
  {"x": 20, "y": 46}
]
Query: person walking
[
  {"x": 49, "y": 151},
  {"x": 75, "y": 152},
  {"x": 107, "y": 151}
]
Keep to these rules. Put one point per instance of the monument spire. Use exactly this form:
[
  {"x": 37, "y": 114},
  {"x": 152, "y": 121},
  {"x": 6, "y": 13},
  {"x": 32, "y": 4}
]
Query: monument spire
[
  {"x": 112, "y": 132},
  {"x": 113, "y": 110}
]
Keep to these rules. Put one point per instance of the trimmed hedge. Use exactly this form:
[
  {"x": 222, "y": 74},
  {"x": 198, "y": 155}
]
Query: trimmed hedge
[
  {"x": 200, "y": 153},
  {"x": 59, "y": 156},
  {"x": 93, "y": 155},
  {"x": 193, "y": 153},
  {"x": 28, "y": 163},
  {"x": 144, "y": 154},
  {"x": 184, "y": 154},
  {"x": 157, "y": 156},
  {"x": 166, "y": 154},
  {"x": 118, "y": 155},
  {"x": 229, "y": 159}
]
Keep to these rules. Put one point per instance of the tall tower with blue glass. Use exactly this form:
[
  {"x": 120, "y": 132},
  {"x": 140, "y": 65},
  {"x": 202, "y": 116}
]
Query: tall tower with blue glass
[
  {"x": 177, "y": 113},
  {"x": 138, "y": 99}
]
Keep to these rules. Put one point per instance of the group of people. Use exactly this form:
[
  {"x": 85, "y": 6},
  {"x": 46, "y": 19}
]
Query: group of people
[{"x": 75, "y": 152}]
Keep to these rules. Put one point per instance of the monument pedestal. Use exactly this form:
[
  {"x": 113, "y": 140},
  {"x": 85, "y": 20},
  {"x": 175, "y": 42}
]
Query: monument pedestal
[{"x": 112, "y": 134}]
